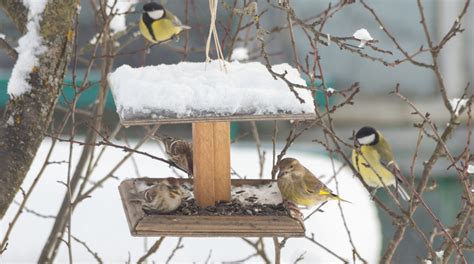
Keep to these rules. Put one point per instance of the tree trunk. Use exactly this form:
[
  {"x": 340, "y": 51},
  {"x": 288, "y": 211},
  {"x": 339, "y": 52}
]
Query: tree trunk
[{"x": 28, "y": 116}]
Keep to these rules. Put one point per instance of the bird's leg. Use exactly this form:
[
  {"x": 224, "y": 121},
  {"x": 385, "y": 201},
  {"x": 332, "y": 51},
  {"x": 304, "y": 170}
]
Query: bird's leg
[{"x": 293, "y": 210}]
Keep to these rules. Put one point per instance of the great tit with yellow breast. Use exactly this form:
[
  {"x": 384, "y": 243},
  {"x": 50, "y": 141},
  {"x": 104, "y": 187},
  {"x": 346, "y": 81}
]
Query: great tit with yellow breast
[
  {"x": 375, "y": 161},
  {"x": 159, "y": 25}
]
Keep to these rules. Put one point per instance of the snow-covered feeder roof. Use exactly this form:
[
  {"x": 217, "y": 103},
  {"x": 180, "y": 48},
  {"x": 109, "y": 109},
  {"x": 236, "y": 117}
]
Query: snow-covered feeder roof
[{"x": 193, "y": 92}]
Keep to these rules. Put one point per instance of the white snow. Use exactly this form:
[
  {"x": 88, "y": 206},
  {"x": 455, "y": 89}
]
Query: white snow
[
  {"x": 265, "y": 194},
  {"x": 330, "y": 90},
  {"x": 470, "y": 169},
  {"x": 100, "y": 220},
  {"x": 363, "y": 35},
  {"x": 457, "y": 104},
  {"x": 240, "y": 54},
  {"x": 118, "y": 23},
  {"x": 2, "y": 36},
  {"x": 191, "y": 88},
  {"x": 30, "y": 46},
  {"x": 439, "y": 254},
  {"x": 94, "y": 39}
]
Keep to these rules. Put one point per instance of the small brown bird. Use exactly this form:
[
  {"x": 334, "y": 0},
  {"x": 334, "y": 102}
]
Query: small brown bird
[
  {"x": 180, "y": 152},
  {"x": 164, "y": 197},
  {"x": 299, "y": 186}
]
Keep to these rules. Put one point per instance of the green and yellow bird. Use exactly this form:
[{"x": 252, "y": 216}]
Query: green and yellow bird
[
  {"x": 299, "y": 186},
  {"x": 158, "y": 24},
  {"x": 375, "y": 161}
]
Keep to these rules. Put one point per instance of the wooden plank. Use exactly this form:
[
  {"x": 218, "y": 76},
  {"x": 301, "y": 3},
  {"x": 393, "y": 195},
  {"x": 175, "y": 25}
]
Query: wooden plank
[
  {"x": 242, "y": 226},
  {"x": 222, "y": 161},
  {"x": 133, "y": 210},
  {"x": 203, "y": 162},
  {"x": 152, "y": 119}
]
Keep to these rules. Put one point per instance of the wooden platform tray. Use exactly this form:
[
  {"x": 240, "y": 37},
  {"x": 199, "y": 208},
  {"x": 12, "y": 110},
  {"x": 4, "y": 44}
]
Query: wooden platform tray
[{"x": 142, "y": 224}]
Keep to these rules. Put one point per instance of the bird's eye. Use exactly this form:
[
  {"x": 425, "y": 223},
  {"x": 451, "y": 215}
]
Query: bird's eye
[{"x": 291, "y": 167}]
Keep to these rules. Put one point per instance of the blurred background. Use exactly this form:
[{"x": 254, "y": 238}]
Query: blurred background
[{"x": 373, "y": 105}]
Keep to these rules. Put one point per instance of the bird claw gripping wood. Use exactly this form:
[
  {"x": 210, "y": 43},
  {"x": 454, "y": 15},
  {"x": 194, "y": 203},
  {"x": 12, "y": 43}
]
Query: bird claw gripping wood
[{"x": 294, "y": 212}]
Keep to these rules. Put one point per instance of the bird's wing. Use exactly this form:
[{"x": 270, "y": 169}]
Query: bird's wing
[
  {"x": 387, "y": 159},
  {"x": 175, "y": 20},
  {"x": 313, "y": 185},
  {"x": 385, "y": 152}
]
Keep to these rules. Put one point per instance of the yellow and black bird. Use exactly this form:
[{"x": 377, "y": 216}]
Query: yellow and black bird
[
  {"x": 299, "y": 186},
  {"x": 159, "y": 25},
  {"x": 375, "y": 161}
]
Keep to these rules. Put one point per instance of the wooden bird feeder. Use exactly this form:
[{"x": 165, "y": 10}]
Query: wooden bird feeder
[{"x": 211, "y": 145}]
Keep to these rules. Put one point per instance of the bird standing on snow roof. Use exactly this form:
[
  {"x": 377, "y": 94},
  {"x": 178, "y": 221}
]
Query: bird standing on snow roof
[
  {"x": 375, "y": 162},
  {"x": 299, "y": 186},
  {"x": 180, "y": 152},
  {"x": 164, "y": 197},
  {"x": 159, "y": 25}
]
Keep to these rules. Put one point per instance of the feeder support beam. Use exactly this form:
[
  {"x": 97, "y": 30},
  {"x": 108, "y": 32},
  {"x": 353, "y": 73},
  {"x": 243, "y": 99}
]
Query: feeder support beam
[{"x": 211, "y": 161}]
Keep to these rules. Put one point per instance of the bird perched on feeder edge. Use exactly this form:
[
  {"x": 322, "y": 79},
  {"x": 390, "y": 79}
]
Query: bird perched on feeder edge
[
  {"x": 180, "y": 152},
  {"x": 164, "y": 197},
  {"x": 375, "y": 161},
  {"x": 158, "y": 25},
  {"x": 298, "y": 186}
]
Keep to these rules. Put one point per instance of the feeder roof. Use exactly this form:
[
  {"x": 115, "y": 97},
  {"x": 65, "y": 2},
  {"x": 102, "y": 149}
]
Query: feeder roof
[{"x": 193, "y": 92}]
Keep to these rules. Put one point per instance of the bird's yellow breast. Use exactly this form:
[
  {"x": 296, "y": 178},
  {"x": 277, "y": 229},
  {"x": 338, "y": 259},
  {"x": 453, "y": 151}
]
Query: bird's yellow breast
[
  {"x": 369, "y": 173},
  {"x": 163, "y": 29}
]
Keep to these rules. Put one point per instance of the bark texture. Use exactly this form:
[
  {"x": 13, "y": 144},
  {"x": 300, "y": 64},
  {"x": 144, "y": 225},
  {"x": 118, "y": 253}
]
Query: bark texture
[{"x": 28, "y": 116}]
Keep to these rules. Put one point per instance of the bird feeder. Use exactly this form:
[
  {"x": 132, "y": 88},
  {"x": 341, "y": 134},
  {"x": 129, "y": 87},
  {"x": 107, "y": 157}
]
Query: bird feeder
[{"x": 209, "y": 98}]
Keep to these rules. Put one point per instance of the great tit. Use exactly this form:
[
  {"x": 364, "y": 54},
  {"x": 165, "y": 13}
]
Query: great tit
[
  {"x": 375, "y": 161},
  {"x": 159, "y": 25}
]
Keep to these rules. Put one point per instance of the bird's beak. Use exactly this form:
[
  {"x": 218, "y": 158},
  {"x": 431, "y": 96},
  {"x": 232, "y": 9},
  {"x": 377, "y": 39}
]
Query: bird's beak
[{"x": 280, "y": 173}]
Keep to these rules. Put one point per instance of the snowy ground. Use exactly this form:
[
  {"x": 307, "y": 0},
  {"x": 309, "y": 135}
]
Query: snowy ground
[{"x": 100, "y": 220}]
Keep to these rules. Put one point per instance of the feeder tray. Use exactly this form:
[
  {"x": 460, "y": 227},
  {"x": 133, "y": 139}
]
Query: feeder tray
[{"x": 143, "y": 224}]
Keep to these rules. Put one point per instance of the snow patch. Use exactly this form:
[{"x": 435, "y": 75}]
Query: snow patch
[
  {"x": 470, "y": 169},
  {"x": 363, "y": 35},
  {"x": 2, "y": 36},
  {"x": 240, "y": 54},
  {"x": 330, "y": 90},
  {"x": 118, "y": 22},
  {"x": 30, "y": 46},
  {"x": 263, "y": 194},
  {"x": 457, "y": 104},
  {"x": 187, "y": 89}
]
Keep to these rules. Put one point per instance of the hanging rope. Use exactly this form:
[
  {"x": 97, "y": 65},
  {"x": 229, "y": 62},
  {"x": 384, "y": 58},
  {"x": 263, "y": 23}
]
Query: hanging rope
[{"x": 213, "y": 34}]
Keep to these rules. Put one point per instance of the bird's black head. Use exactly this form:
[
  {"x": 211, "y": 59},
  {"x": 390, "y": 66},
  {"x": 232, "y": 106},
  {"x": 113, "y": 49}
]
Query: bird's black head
[
  {"x": 367, "y": 136},
  {"x": 153, "y": 11},
  {"x": 152, "y": 6}
]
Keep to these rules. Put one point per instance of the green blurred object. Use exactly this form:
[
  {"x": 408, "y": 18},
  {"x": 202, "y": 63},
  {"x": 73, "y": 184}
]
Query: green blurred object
[
  {"x": 86, "y": 99},
  {"x": 320, "y": 95}
]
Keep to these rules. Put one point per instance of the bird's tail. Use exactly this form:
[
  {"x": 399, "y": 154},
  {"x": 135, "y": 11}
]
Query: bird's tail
[
  {"x": 338, "y": 198},
  {"x": 184, "y": 27},
  {"x": 402, "y": 193}
]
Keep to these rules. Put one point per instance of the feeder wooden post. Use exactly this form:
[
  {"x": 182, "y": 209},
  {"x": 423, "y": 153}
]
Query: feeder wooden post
[{"x": 211, "y": 159}]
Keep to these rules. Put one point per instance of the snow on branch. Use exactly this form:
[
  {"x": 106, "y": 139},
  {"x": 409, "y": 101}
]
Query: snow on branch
[{"x": 30, "y": 46}]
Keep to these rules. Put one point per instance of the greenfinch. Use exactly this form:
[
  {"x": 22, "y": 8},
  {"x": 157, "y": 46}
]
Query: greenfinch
[
  {"x": 299, "y": 186},
  {"x": 375, "y": 161}
]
